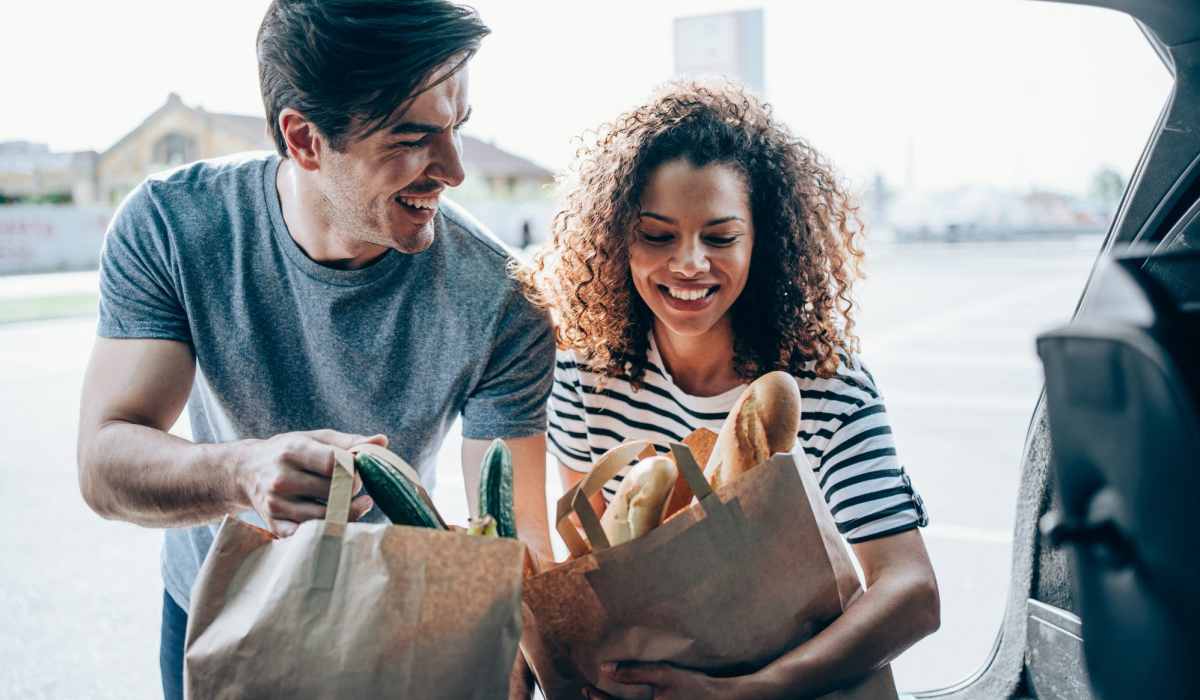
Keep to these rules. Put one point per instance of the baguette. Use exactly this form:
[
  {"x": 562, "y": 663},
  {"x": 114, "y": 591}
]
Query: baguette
[
  {"x": 637, "y": 507},
  {"x": 763, "y": 421},
  {"x": 700, "y": 441}
]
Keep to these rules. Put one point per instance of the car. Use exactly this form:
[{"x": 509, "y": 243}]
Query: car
[
  {"x": 1103, "y": 581},
  {"x": 1100, "y": 583}
]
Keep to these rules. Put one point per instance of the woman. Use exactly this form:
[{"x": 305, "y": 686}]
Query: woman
[{"x": 701, "y": 247}]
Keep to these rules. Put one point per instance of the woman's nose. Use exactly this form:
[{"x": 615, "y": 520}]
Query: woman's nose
[{"x": 689, "y": 261}]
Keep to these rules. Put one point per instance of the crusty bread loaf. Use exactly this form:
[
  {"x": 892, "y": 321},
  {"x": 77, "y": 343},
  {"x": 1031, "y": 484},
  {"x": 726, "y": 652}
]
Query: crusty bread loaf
[
  {"x": 764, "y": 420},
  {"x": 701, "y": 442},
  {"x": 637, "y": 507}
]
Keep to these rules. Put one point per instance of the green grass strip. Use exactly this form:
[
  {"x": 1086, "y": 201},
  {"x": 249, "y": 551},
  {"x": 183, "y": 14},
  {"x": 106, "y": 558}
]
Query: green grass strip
[{"x": 40, "y": 308}]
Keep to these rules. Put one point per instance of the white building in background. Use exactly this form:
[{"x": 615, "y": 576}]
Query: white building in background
[
  {"x": 32, "y": 172},
  {"x": 178, "y": 133},
  {"x": 55, "y": 207},
  {"x": 728, "y": 44},
  {"x": 983, "y": 213}
]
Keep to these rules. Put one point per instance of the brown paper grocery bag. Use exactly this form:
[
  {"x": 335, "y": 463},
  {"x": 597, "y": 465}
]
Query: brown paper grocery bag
[
  {"x": 353, "y": 610},
  {"x": 726, "y": 586}
]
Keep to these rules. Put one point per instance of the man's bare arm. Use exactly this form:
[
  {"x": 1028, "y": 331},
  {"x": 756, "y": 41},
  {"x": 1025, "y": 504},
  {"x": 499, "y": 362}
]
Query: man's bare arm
[
  {"x": 131, "y": 469},
  {"x": 529, "y": 488}
]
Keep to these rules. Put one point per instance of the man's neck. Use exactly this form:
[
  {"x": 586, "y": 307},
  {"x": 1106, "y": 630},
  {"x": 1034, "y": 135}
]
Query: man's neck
[
  {"x": 701, "y": 365},
  {"x": 309, "y": 224}
]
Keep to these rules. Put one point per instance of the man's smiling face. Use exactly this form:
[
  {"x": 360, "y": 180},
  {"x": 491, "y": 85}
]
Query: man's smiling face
[{"x": 383, "y": 189}]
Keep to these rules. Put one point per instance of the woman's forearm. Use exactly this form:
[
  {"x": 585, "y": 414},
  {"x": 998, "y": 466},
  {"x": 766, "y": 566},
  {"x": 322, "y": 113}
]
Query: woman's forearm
[{"x": 898, "y": 610}]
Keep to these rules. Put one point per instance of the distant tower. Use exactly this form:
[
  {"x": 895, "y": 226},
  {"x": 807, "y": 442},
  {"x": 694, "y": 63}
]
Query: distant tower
[{"x": 728, "y": 44}]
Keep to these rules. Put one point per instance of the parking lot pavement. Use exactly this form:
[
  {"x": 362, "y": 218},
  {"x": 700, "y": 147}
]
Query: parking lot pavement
[
  {"x": 947, "y": 331},
  {"x": 55, "y": 284}
]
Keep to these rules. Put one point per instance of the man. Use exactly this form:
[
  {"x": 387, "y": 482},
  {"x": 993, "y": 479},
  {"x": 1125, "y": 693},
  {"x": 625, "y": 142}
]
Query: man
[{"x": 311, "y": 300}]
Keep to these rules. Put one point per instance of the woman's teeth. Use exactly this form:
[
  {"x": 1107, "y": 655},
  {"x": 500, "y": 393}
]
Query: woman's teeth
[
  {"x": 419, "y": 202},
  {"x": 689, "y": 294}
]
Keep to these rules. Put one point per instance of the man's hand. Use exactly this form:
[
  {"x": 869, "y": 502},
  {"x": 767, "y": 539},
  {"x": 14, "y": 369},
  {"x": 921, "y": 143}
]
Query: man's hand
[{"x": 286, "y": 478}]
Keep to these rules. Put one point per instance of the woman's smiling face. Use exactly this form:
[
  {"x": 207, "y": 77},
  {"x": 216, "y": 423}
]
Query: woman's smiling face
[{"x": 691, "y": 245}]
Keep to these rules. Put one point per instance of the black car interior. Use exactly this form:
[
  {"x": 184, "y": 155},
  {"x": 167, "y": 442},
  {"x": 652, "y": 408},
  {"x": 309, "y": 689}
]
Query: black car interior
[{"x": 1123, "y": 393}]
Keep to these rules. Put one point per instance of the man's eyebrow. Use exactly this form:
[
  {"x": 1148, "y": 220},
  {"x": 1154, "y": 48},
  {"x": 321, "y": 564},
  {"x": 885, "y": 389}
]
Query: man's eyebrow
[
  {"x": 423, "y": 128},
  {"x": 710, "y": 222}
]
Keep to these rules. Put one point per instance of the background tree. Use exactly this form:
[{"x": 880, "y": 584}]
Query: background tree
[{"x": 1107, "y": 187}]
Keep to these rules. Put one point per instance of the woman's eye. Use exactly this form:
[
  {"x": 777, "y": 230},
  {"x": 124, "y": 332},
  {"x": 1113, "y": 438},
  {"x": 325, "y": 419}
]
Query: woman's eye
[
  {"x": 722, "y": 240},
  {"x": 655, "y": 238}
]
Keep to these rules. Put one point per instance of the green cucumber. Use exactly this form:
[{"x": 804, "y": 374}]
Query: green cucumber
[
  {"x": 496, "y": 488},
  {"x": 395, "y": 495}
]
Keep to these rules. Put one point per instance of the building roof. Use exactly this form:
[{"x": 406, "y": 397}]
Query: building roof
[
  {"x": 249, "y": 128},
  {"x": 487, "y": 160},
  {"x": 481, "y": 158}
]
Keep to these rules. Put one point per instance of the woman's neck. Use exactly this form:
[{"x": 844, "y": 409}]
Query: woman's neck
[{"x": 701, "y": 365}]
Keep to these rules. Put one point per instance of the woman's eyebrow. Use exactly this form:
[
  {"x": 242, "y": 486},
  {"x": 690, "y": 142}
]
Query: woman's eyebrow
[
  {"x": 710, "y": 222},
  {"x": 723, "y": 220}
]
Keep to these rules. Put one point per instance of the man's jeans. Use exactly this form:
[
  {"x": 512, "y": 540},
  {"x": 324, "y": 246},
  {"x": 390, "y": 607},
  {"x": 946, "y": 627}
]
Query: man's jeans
[{"x": 170, "y": 649}]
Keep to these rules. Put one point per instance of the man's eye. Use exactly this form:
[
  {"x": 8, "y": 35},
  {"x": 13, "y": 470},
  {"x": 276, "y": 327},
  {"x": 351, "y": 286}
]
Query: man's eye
[{"x": 409, "y": 144}]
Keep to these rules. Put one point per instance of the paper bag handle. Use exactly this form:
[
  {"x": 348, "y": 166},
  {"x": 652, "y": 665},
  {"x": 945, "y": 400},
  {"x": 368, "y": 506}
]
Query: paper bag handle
[
  {"x": 576, "y": 499},
  {"x": 686, "y": 463},
  {"x": 341, "y": 488}
]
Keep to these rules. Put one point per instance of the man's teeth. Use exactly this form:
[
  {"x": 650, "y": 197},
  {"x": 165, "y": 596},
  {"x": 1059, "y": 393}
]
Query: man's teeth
[
  {"x": 420, "y": 202},
  {"x": 689, "y": 294}
]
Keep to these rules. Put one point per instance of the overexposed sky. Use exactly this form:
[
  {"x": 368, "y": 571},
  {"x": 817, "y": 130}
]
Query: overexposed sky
[{"x": 941, "y": 93}]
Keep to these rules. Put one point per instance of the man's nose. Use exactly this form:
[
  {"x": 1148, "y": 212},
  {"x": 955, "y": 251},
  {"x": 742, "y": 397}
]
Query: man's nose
[{"x": 446, "y": 165}]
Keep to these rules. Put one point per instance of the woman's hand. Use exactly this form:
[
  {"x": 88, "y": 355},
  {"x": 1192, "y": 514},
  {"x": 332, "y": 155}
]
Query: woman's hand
[{"x": 668, "y": 682}]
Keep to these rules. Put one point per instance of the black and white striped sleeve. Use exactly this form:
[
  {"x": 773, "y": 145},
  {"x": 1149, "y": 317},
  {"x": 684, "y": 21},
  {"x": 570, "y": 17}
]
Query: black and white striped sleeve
[
  {"x": 566, "y": 434},
  {"x": 857, "y": 467}
]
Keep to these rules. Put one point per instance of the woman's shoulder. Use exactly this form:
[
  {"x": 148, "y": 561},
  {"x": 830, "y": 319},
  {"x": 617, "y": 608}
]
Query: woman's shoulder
[
  {"x": 564, "y": 358},
  {"x": 851, "y": 379}
]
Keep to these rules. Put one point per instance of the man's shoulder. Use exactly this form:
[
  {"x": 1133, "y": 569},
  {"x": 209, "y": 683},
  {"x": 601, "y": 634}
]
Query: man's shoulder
[
  {"x": 481, "y": 262},
  {"x": 470, "y": 233},
  {"x": 212, "y": 177},
  {"x": 198, "y": 196},
  {"x": 192, "y": 208}
]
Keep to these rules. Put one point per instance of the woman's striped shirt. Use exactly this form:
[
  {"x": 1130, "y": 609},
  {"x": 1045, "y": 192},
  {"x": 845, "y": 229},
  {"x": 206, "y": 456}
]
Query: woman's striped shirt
[{"x": 844, "y": 434}]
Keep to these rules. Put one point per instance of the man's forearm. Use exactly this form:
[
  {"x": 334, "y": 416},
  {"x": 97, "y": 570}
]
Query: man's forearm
[
  {"x": 145, "y": 476},
  {"x": 533, "y": 525},
  {"x": 529, "y": 487}
]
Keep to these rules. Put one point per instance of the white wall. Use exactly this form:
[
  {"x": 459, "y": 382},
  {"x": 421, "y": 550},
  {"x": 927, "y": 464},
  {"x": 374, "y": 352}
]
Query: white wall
[
  {"x": 44, "y": 238},
  {"x": 504, "y": 218}
]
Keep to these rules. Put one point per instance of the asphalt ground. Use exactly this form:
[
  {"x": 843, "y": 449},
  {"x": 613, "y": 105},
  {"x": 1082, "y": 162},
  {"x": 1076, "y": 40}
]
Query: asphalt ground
[{"x": 947, "y": 330}]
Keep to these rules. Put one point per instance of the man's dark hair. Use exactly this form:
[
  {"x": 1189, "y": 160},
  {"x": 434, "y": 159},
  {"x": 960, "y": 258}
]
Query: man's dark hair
[{"x": 350, "y": 66}]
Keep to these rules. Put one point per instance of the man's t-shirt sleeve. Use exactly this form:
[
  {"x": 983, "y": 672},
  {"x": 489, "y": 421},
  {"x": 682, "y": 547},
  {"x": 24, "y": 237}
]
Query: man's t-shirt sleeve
[
  {"x": 510, "y": 399},
  {"x": 139, "y": 294}
]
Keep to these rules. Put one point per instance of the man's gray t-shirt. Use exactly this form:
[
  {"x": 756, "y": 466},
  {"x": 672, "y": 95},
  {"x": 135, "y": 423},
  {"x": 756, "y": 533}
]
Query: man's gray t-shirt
[{"x": 400, "y": 347}]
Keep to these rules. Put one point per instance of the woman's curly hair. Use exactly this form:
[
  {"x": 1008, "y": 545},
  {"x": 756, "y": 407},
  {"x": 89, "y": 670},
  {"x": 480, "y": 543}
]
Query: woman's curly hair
[{"x": 796, "y": 307}]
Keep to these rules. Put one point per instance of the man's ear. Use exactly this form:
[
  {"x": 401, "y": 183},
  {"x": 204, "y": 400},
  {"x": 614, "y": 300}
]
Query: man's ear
[{"x": 305, "y": 144}]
